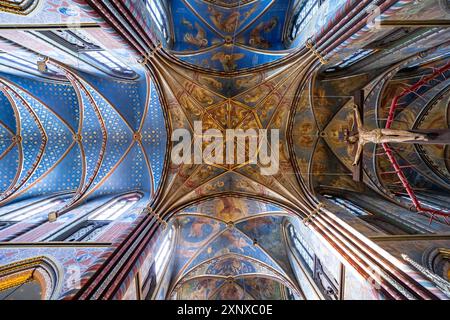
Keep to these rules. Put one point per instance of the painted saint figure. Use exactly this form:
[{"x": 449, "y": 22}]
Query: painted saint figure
[{"x": 378, "y": 136}]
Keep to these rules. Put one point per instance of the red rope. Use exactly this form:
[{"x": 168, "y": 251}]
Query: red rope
[{"x": 398, "y": 169}]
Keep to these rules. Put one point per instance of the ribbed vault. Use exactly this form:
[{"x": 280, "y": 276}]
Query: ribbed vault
[
  {"x": 228, "y": 36},
  {"x": 232, "y": 247}
]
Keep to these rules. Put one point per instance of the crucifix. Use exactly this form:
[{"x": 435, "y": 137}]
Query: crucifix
[
  {"x": 359, "y": 136},
  {"x": 378, "y": 136}
]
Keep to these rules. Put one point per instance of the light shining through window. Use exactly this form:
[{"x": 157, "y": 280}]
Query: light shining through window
[
  {"x": 33, "y": 210},
  {"x": 163, "y": 254}
]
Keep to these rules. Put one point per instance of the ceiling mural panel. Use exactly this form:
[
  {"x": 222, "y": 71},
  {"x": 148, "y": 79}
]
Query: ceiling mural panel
[
  {"x": 304, "y": 134},
  {"x": 232, "y": 208},
  {"x": 229, "y": 38},
  {"x": 228, "y": 238},
  {"x": 230, "y": 265}
]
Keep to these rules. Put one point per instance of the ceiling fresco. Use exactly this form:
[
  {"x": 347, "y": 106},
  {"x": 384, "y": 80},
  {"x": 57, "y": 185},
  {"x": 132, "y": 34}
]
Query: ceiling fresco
[
  {"x": 325, "y": 111},
  {"x": 258, "y": 100},
  {"x": 228, "y": 247},
  {"x": 229, "y": 36}
]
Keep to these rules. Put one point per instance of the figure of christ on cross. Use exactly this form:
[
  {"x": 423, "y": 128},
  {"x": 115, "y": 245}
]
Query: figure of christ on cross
[{"x": 379, "y": 136}]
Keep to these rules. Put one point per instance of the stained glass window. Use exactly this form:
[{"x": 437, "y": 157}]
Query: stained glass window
[
  {"x": 163, "y": 254},
  {"x": 96, "y": 222},
  {"x": 35, "y": 209},
  {"x": 302, "y": 248},
  {"x": 305, "y": 11},
  {"x": 155, "y": 8},
  {"x": 350, "y": 206}
]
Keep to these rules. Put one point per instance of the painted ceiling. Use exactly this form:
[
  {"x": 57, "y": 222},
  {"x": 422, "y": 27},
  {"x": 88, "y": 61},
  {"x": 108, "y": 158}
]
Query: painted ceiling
[
  {"x": 232, "y": 248},
  {"x": 78, "y": 139},
  {"x": 229, "y": 35},
  {"x": 97, "y": 135},
  {"x": 253, "y": 100}
]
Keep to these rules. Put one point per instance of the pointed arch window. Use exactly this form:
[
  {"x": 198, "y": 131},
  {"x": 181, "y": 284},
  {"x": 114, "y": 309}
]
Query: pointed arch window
[
  {"x": 33, "y": 210},
  {"x": 27, "y": 63},
  {"x": 97, "y": 221},
  {"x": 31, "y": 279},
  {"x": 79, "y": 43},
  {"x": 21, "y": 7},
  {"x": 156, "y": 10},
  {"x": 163, "y": 254},
  {"x": 304, "y": 12},
  {"x": 302, "y": 248}
]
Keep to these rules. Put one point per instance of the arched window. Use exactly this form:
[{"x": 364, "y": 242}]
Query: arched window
[
  {"x": 163, "y": 254},
  {"x": 96, "y": 222},
  {"x": 31, "y": 279},
  {"x": 303, "y": 13},
  {"x": 438, "y": 261},
  {"x": 351, "y": 60},
  {"x": 350, "y": 206},
  {"x": 312, "y": 264},
  {"x": 33, "y": 210},
  {"x": 78, "y": 42},
  {"x": 378, "y": 221},
  {"x": 153, "y": 268},
  {"x": 28, "y": 63},
  {"x": 22, "y": 7},
  {"x": 156, "y": 10}
]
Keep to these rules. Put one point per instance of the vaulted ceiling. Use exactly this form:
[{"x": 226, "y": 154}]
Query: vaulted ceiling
[
  {"x": 229, "y": 35},
  {"x": 86, "y": 144},
  {"x": 104, "y": 136},
  {"x": 252, "y": 100},
  {"x": 232, "y": 248}
]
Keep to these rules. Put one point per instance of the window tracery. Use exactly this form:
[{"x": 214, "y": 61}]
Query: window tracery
[
  {"x": 27, "y": 63},
  {"x": 79, "y": 43},
  {"x": 96, "y": 222},
  {"x": 156, "y": 11},
  {"x": 302, "y": 248},
  {"x": 314, "y": 267},
  {"x": 26, "y": 212}
]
